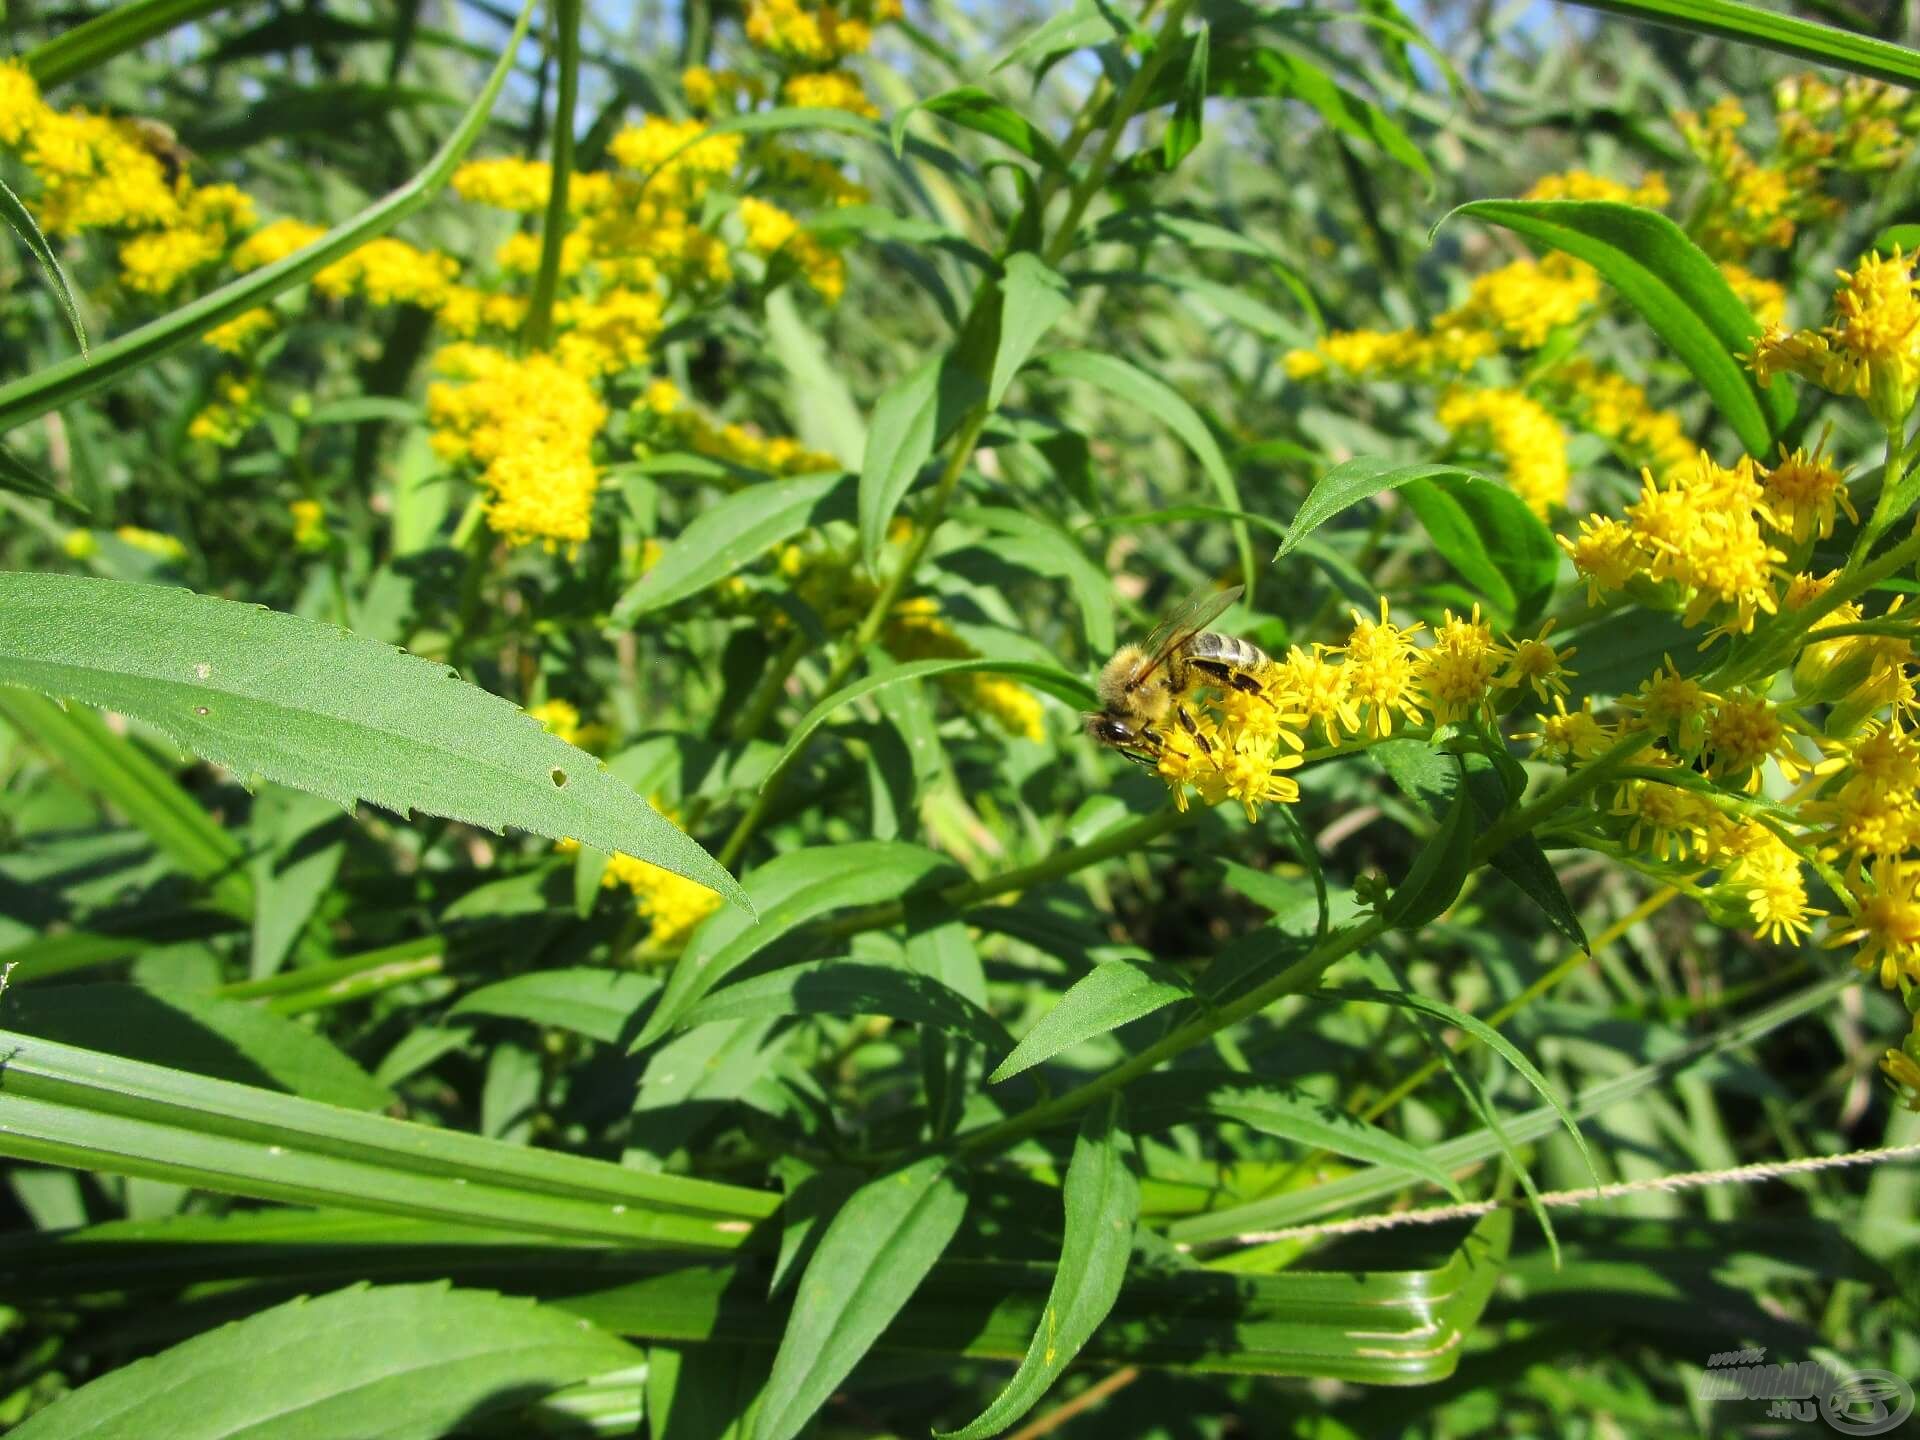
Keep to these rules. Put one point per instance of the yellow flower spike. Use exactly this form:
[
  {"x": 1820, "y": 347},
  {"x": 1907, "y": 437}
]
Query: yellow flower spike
[
  {"x": 1538, "y": 665},
  {"x": 1666, "y": 817},
  {"x": 1318, "y": 687},
  {"x": 78, "y": 544},
  {"x": 1904, "y": 1072},
  {"x": 1674, "y": 707},
  {"x": 558, "y": 717},
  {"x": 309, "y": 524},
  {"x": 1767, "y": 875},
  {"x": 1887, "y": 924},
  {"x": 1743, "y": 732},
  {"x": 829, "y": 90},
  {"x": 1382, "y": 666},
  {"x": 1606, "y": 554},
  {"x": 152, "y": 542},
  {"x": 1529, "y": 441},
  {"x": 1567, "y": 737},
  {"x": 1457, "y": 671}
]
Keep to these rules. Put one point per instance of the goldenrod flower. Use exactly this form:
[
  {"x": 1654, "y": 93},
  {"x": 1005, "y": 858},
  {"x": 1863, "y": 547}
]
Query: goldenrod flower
[
  {"x": 1666, "y": 817},
  {"x": 309, "y": 524},
  {"x": 828, "y": 90},
  {"x": 1802, "y": 494},
  {"x": 1870, "y": 350},
  {"x": 1528, "y": 440},
  {"x": 1566, "y": 737},
  {"x": 1536, "y": 664},
  {"x": 1457, "y": 671},
  {"x": 1887, "y": 924},
  {"x": 1767, "y": 876},
  {"x": 509, "y": 183},
  {"x": 1317, "y": 687},
  {"x": 1674, "y": 707},
  {"x": 1383, "y": 670},
  {"x": 152, "y": 542},
  {"x": 241, "y": 332}
]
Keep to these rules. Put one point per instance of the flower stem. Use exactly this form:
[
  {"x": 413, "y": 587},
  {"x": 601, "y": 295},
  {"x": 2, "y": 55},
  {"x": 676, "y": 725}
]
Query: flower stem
[
  {"x": 539, "y": 323},
  {"x": 1296, "y": 977}
]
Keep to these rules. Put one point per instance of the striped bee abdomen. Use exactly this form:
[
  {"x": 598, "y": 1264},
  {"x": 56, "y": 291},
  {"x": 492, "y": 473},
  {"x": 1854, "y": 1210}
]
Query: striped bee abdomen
[{"x": 1228, "y": 650}]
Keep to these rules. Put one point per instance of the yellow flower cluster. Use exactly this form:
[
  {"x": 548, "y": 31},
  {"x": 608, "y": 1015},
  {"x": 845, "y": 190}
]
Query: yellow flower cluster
[
  {"x": 771, "y": 232},
  {"x": 150, "y": 542},
  {"x": 828, "y": 90},
  {"x": 672, "y": 423},
  {"x": 309, "y": 524},
  {"x": 1767, "y": 299},
  {"x": 917, "y": 631},
  {"x": 243, "y": 332},
  {"x": 1522, "y": 432},
  {"x": 1609, "y": 405},
  {"x": 225, "y": 421},
  {"x": 562, "y": 717},
  {"x": 1820, "y": 131},
  {"x": 1870, "y": 350},
  {"x": 97, "y": 172},
  {"x": 816, "y": 34},
  {"x": 1700, "y": 539},
  {"x": 1515, "y": 307},
  {"x": 529, "y": 424},
  {"x": 671, "y": 904},
  {"x": 1651, "y": 192},
  {"x": 1242, "y": 742},
  {"x": 707, "y": 90}
]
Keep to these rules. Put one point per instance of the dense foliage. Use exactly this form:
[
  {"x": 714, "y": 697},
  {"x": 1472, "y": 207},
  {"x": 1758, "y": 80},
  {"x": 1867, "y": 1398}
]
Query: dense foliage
[{"x": 597, "y": 836}]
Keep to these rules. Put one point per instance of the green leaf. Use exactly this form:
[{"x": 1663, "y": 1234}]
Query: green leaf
[
  {"x": 974, "y": 109},
  {"x": 1677, "y": 290},
  {"x": 90, "y": 1110},
  {"x": 849, "y": 987},
  {"x": 1040, "y": 546},
  {"x": 22, "y": 479},
  {"x": 94, "y": 41},
  {"x": 1135, "y": 388},
  {"x": 120, "y": 772},
  {"x": 702, "y": 1392},
  {"x": 197, "y": 1033},
  {"x": 1295, "y": 1117},
  {"x": 1486, "y": 1035},
  {"x": 1788, "y": 34},
  {"x": 1426, "y": 776},
  {"x": 20, "y": 219},
  {"x": 1487, "y": 533},
  {"x": 1901, "y": 237},
  {"x": 69, "y": 380},
  {"x": 324, "y": 710},
  {"x": 1439, "y": 870},
  {"x": 1189, "y": 112},
  {"x": 398, "y": 1361},
  {"x": 790, "y": 891},
  {"x": 1058, "y": 683},
  {"x": 1350, "y": 482},
  {"x": 600, "y": 1004},
  {"x": 1146, "y": 226},
  {"x": 1266, "y": 73},
  {"x": 1032, "y": 297},
  {"x": 915, "y": 414},
  {"x": 731, "y": 535},
  {"x": 1105, "y": 998},
  {"x": 1082, "y": 24},
  {"x": 1102, "y": 1196},
  {"x": 870, "y": 1261}
]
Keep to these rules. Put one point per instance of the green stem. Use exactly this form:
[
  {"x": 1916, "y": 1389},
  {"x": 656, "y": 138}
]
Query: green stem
[
  {"x": 1570, "y": 788},
  {"x": 1095, "y": 179},
  {"x": 539, "y": 324},
  {"x": 1790, "y": 633},
  {"x": 753, "y": 716},
  {"x": 1121, "y": 841},
  {"x": 1291, "y": 981}
]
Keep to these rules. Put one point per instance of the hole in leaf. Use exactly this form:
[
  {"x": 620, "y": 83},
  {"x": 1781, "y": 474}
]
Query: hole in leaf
[{"x": 559, "y": 777}]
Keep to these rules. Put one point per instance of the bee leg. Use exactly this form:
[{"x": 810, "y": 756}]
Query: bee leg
[
  {"x": 1188, "y": 724},
  {"x": 1247, "y": 685}
]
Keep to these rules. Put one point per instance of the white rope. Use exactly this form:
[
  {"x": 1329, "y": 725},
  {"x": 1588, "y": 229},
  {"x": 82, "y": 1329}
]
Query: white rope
[{"x": 1690, "y": 1180}]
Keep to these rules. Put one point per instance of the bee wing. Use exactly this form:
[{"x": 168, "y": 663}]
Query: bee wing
[{"x": 1187, "y": 619}]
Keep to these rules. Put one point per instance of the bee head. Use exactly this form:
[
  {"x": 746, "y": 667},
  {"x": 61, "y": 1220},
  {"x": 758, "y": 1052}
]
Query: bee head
[{"x": 1111, "y": 730}]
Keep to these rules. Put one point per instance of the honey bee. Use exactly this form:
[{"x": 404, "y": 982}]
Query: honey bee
[
  {"x": 160, "y": 140},
  {"x": 1145, "y": 686}
]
